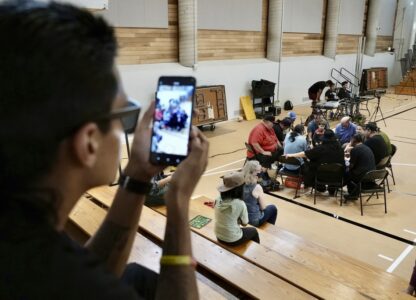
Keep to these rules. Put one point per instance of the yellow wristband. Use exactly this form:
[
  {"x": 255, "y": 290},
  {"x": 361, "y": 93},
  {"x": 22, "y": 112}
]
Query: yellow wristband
[{"x": 177, "y": 260}]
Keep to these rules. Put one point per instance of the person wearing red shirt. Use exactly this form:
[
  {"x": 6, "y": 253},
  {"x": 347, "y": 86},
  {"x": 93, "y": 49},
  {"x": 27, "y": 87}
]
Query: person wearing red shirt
[{"x": 264, "y": 141}]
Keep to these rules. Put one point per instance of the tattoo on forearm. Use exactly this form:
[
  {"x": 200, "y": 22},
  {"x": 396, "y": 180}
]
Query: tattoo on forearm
[{"x": 109, "y": 240}]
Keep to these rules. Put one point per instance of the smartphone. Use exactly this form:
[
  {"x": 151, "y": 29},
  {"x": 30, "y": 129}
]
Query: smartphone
[{"x": 172, "y": 120}]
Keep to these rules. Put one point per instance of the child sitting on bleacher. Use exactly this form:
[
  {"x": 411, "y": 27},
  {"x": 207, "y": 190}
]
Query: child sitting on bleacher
[
  {"x": 258, "y": 211},
  {"x": 230, "y": 211}
]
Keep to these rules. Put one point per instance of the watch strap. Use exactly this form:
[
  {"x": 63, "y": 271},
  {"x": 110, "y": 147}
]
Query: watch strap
[{"x": 133, "y": 185}]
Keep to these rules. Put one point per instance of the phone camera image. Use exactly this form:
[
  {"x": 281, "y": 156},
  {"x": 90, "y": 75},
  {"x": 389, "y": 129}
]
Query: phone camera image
[{"x": 172, "y": 121}]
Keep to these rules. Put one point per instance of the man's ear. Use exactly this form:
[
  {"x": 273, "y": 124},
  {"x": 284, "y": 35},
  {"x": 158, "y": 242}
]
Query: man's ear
[{"x": 85, "y": 144}]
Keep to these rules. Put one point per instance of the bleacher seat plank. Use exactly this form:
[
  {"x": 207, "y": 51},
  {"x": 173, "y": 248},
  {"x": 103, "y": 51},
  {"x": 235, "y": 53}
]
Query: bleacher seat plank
[
  {"x": 88, "y": 216},
  {"x": 312, "y": 280},
  {"x": 231, "y": 268},
  {"x": 358, "y": 275},
  {"x": 276, "y": 264}
]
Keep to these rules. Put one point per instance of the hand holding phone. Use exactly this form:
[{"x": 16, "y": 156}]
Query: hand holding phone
[{"x": 172, "y": 120}]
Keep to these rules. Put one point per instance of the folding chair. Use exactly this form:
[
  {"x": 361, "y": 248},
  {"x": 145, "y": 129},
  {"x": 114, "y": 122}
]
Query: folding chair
[
  {"x": 331, "y": 174},
  {"x": 250, "y": 148},
  {"x": 297, "y": 174},
  {"x": 383, "y": 164},
  {"x": 389, "y": 165},
  {"x": 376, "y": 179}
]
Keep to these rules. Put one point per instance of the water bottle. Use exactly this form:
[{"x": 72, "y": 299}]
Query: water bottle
[{"x": 302, "y": 187}]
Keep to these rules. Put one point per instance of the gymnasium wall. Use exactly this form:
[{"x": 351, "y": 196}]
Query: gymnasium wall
[
  {"x": 150, "y": 45},
  {"x": 215, "y": 44},
  {"x": 236, "y": 57},
  {"x": 297, "y": 74}
]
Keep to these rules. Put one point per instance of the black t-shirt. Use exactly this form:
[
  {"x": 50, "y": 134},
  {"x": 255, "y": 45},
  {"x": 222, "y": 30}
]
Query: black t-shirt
[
  {"x": 361, "y": 161},
  {"x": 320, "y": 85},
  {"x": 330, "y": 95},
  {"x": 39, "y": 263},
  {"x": 342, "y": 94},
  {"x": 325, "y": 153},
  {"x": 378, "y": 146},
  {"x": 279, "y": 132}
]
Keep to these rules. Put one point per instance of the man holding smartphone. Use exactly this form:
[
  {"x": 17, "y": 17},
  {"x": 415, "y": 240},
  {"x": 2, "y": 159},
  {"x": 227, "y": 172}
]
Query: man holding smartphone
[{"x": 62, "y": 108}]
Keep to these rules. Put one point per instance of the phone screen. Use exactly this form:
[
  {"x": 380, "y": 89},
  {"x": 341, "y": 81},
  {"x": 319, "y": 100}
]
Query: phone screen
[{"x": 172, "y": 120}]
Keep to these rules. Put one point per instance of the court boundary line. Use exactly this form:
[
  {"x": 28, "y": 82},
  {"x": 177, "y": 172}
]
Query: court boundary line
[
  {"x": 401, "y": 257},
  {"x": 346, "y": 220},
  {"x": 226, "y": 165}
]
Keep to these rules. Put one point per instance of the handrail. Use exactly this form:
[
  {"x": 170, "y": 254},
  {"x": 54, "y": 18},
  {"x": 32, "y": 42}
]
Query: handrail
[
  {"x": 340, "y": 74},
  {"x": 358, "y": 79}
]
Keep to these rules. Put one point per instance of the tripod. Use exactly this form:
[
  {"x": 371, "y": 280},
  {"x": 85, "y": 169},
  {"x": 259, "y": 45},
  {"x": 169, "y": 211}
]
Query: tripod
[{"x": 378, "y": 109}]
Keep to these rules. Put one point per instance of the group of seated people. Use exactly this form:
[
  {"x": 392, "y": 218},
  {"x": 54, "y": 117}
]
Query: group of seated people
[
  {"x": 358, "y": 149},
  {"x": 242, "y": 202}
]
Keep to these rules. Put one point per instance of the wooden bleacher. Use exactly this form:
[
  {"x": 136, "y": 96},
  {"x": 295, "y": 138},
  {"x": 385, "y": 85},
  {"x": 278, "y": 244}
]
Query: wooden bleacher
[
  {"x": 232, "y": 269},
  {"x": 87, "y": 216},
  {"x": 364, "y": 278},
  {"x": 408, "y": 85},
  {"x": 320, "y": 271}
]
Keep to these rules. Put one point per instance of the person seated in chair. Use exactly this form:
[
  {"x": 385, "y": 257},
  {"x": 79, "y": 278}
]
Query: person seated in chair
[
  {"x": 343, "y": 92},
  {"x": 387, "y": 141},
  {"x": 265, "y": 143},
  {"x": 314, "y": 125},
  {"x": 375, "y": 141},
  {"x": 329, "y": 151},
  {"x": 295, "y": 142},
  {"x": 231, "y": 211},
  {"x": 280, "y": 128},
  {"x": 361, "y": 161},
  {"x": 318, "y": 135},
  {"x": 345, "y": 130},
  {"x": 330, "y": 94},
  {"x": 292, "y": 116},
  {"x": 253, "y": 196}
]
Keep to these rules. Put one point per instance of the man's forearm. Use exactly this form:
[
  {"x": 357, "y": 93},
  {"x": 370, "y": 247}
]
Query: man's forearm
[
  {"x": 258, "y": 148},
  {"x": 113, "y": 240}
]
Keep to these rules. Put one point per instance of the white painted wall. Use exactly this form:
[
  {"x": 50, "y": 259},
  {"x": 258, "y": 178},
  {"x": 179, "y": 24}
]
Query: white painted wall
[{"x": 297, "y": 74}]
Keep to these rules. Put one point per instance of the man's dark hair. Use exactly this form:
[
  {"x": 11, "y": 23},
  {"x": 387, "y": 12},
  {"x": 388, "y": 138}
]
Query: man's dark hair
[
  {"x": 56, "y": 73},
  {"x": 344, "y": 83},
  {"x": 329, "y": 82},
  {"x": 357, "y": 138}
]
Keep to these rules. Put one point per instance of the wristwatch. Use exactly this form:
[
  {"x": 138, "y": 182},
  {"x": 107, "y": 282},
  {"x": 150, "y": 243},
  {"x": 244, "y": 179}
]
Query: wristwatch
[{"x": 133, "y": 185}]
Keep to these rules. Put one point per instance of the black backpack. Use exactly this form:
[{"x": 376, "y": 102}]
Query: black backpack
[{"x": 288, "y": 105}]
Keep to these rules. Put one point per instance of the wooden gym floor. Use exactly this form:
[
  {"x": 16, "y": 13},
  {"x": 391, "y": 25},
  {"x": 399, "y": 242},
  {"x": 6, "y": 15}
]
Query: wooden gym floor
[{"x": 227, "y": 153}]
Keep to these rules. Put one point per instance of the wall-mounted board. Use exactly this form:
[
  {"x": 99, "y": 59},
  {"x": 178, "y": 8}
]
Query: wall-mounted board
[
  {"x": 386, "y": 19},
  {"x": 243, "y": 15},
  {"x": 351, "y": 17},
  {"x": 137, "y": 13},
  {"x": 304, "y": 16},
  {"x": 91, "y": 4}
]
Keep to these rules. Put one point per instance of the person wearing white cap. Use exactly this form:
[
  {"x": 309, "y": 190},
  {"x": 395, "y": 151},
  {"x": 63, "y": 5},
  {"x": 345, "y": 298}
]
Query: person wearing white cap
[{"x": 230, "y": 211}]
